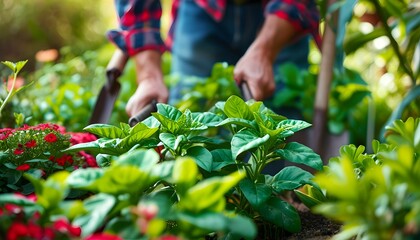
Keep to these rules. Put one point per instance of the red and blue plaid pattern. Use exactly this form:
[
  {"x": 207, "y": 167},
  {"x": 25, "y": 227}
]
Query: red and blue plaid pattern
[{"x": 140, "y": 20}]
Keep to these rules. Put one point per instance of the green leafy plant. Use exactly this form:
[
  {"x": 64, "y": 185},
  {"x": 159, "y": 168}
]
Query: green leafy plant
[
  {"x": 250, "y": 137},
  {"x": 347, "y": 91},
  {"x": 139, "y": 197},
  {"x": 376, "y": 196}
]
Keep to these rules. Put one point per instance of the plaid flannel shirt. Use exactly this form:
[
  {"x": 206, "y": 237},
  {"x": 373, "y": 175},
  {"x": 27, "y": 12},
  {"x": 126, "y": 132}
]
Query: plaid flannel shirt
[{"x": 140, "y": 20}]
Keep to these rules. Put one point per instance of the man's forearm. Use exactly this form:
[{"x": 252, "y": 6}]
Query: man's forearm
[{"x": 274, "y": 35}]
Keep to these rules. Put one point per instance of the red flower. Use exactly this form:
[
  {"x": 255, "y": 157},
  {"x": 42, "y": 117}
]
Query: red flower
[
  {"x": 35, "y": 231},
  {"x": 90, "y": 160},
  {"x": 60, "y": 161},
  {"x": 30, "y": 144},
  {"x": 103, "y": 236},
  {"x": 169, "y": 237},
  {"x": 81, "y": 138},
  {"x": 18, "y": 151},
  {"x": 5, "y": 133},
  {"x": 23, "y": 167},
  {"x": 11, "y": 208},
  {"x": 50, "y": 137},
  {"x": 64, "y": 159},
  {"x": 17, "y": 231},
  {"x": 62, "y": 225}
]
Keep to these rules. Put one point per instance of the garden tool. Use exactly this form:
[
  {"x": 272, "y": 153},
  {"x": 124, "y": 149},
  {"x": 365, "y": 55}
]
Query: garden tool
[
  {"x": 144, "y": 113},
  {"x": 246, "y": 93},
  {"x": 320, "y": 140},
  {"x": 111, "y": 89}
]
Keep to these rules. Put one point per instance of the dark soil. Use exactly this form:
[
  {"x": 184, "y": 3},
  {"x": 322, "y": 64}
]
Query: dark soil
[{"x": 314, "y": 227}]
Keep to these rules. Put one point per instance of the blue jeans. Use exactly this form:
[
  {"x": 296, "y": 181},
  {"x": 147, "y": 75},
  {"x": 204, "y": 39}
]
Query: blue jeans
[{"x": 200, "y": 42}]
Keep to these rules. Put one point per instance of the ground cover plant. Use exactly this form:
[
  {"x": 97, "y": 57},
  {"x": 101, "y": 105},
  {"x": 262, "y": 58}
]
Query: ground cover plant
[{"x": 376, "y": 195}]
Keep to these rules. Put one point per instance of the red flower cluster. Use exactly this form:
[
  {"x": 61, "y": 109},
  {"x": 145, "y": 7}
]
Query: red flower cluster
[
  {"x": 5, "y": 133},
  {"x": 63, "y": 160},
  {"x": 15, "y": 226},
  {"x": 44, "y": 141},
  {"x": 77, "y": 137},
  {"x": 50, "y": 137}
]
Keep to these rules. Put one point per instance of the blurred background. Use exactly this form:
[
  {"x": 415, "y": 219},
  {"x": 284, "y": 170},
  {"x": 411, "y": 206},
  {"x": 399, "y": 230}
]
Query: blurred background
[{"x": 67, "y": 50}]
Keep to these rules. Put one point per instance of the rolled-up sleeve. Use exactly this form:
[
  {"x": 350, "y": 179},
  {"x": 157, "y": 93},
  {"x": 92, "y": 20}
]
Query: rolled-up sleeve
[
  {"x": 139, "y": 23},
  {"x": 302, "y": 14}
]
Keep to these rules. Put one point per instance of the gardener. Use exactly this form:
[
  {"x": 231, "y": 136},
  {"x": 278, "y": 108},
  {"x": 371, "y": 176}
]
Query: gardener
[{"x": 254, "y": 35}]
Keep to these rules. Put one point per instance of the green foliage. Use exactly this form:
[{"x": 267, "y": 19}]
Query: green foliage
[
  {"x": 16, "y": 68},
  {"x": 251, "y": 136},
  {"x": 219, "y": 86},
  {"x": 376, "y": 196},
  {"x": 51, "y": 24},
  {"x": 347, "y": 91}
]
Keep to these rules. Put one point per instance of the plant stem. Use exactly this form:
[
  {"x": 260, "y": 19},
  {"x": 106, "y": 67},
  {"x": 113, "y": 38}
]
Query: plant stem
[
  {"x": 405, "y": 66},
  {"x": 9, "y": 94}
]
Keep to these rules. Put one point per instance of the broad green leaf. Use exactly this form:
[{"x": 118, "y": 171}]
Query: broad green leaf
[
  {"x": 85, "y": 178},
  {"x": 255, "y": 193},
  {"x": 340, "y": 180},
  {"x": 101, "y": 145},
  {"x": 290, "y": 178},
  {"x": 72, "y": 209},
  {"x": 125, "y": 128},
  {"x": 125, "y": 179},
  {"x": 210, "y": 221},
  {"x": 246, "y": 140},
  {"x": 267, "y": 125},
  {"x": 168, "y": 111},
  {"x": 242, "y": 227},
  {"x": 210, "y": 191},
  {"x": 207, "y": 118},
  {"x": 221, "y": 158},
  {"x": 168, "y": 139},
  {"x": 143, "y": 159},
  {"x": 209, "y": 142},
  {"x": 293, "y": 125},
  {"x": 98, "y": 206},
  {"x": 202, "y": 156},
  {"x": 163, "y": 170},
  {"x": 237, "y": 121},
  {"x": 298, "y": 153},
  {"x": 171, "y": 125},
  {"x": 53, "y": 191},
  {"x": 184, "y": 174},
  {"x": 235, "y": 107},
  {"x": 310, "y": 195},
  {"x": 105, "y": 130},
  {"x": 281, "y": 213}
]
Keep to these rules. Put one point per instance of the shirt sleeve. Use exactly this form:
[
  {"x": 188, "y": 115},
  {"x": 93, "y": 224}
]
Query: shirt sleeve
[
  {"x": 139, "y": 22},
  {"x": 302, "y": 14}
]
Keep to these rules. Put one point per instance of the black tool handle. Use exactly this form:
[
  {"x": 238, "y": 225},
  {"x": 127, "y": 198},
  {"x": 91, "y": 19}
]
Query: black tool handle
[
  {"x": 246, "y": 93},
  {"x": 115, "y": 67},
  {"x": 143, "y": 114}
]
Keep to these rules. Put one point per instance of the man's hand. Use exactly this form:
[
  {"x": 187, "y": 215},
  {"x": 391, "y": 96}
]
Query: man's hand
[
  {"x": 256, "y": 66},
  {"x": 257, "y": 70},
  {"x": 150, "y": 82}
]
